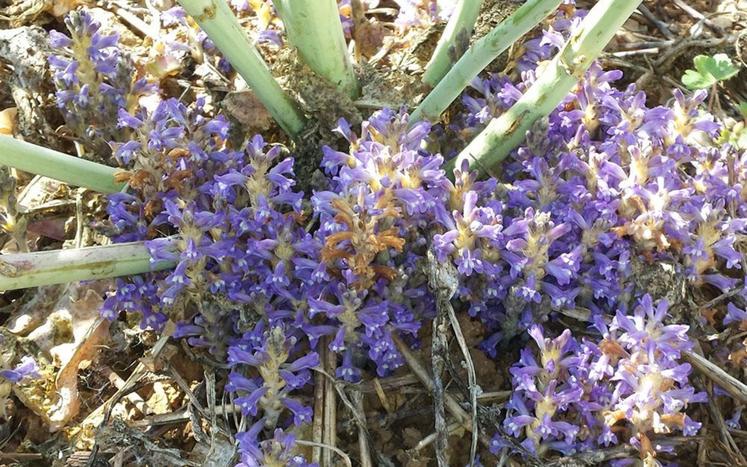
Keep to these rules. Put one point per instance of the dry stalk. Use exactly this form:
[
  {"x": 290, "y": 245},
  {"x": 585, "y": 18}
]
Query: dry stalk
[
  {"x": 712, "y": 371},
  {"x": 329, "y": 428}
]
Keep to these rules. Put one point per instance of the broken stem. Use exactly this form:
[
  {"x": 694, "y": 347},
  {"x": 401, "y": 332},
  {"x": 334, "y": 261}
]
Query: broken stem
[
  {"x": 479, "y": 56},
  {"x": 474, "y": 389},
  {"x": 49, "y": 163},
  {"x": 218, "y": 21},
  {"x": 506, "y": 132},
  {"x": 439, "y": 349},
  {"x": 425, "y": 379},
  {"x": 317, "y": 427},
  {"x": 330, "y": 409},
  {"x": 23, "y": 270},
  {"x": 314, "y": 28},
  {"x": 453, "y": 41}
]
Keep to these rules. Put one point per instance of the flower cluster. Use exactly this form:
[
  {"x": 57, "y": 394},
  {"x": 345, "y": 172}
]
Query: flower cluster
[
  {"x": 276, "y": 451},
  {"x": 384, "y": 194},
  {"x": 264, "y": 275},
  {"x": 571, "y": 396},
  {"x": 94, "y": 80},
  {"x": 235, "y": 229},
  {"x": 604, "y": 185},
  {"x": 265, "y": 378}
]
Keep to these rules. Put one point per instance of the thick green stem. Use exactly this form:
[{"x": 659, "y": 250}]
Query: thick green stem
[
  {"x": 314, "y": 28},
  {"x": 22, "y": 270},
  {"x": 453, "y": 41},
  {"x": 218, "y": 21},
  {"x": 557, "y": 79},
  {"x": 479, "y": 56},
  {"x": 49, "y": 163}
]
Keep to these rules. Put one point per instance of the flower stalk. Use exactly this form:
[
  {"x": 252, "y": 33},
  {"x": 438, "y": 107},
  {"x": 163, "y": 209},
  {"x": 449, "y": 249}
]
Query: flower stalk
[
  {"x": 315, "y": 29},
  {"x": 506, "y": 132},
  {"x": 65, "y": 168},
  {"x": 218, "y": 21},
  {"x": 479, "y": 56},
  {"x": 22, "y": 270},
  {"x": 453, "y": 41}
]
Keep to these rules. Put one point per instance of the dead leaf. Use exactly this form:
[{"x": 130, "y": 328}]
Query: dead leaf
[
  {"x": 247, "y": 109},
  {"x": 412, "y": 437},
  {"x": 30, "y": 314},
  {"x": 8, "y": 121},
  {"x": 72, "y": 335},
  {"x": 369, "y": 37},
  {"x": 62, "y": 7},
  {"x": 164, "y": 399},
  {"x": 90, "y": 331}
]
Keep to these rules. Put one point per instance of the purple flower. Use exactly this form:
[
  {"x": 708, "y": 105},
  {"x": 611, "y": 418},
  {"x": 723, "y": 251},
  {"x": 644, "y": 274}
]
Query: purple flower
[{"x": 27, "y": 369}]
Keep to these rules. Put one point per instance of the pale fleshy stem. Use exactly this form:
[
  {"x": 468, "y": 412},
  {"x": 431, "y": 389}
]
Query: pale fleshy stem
[
  {"x": 315, "y": 30},
  {"x": 49, "y": 163},
  {"x": 454, "y": 40},
  {"x": 218, "y": 21},
  {"x": 557, "y": 79},
  {"x": 23, "y": 270},
  {"x": 479, "y": 56}
]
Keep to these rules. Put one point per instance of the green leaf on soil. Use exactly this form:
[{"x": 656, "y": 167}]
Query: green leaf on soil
[{"x": 709, "y": 70}]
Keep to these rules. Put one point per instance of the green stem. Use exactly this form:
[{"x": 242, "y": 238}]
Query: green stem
[
  {"x": 314, "y": 28},
  {"x": 49, "y": 163},
  {"x": 557, "y": 79},
  {"x": 453, "y": 41},
  {"x": 22, "y": 270},
  {"x": 218, "y": 21},
  {"x": 479, "y": 56}
]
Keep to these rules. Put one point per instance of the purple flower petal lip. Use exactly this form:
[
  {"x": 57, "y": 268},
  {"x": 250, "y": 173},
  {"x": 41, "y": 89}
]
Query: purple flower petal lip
[
  {"x": 27, "y": 369},
  {"x": 249, "y": 404},
  {"x": 58, "y": 40},
  {"x": 301, "y": 413},
  {"x": 295, "y": 380},
  {"x": 520, "y": 227},
  {"x": 309, "y": 360},
  {"x": 237, "y": 356},
  {"x": 238, "y": 382},
  {"x": 719, "y": 281},
  {"x": 734, "y": 314}
]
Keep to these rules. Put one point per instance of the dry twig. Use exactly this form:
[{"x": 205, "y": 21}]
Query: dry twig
[
  {"x": 443, "y": 281},
  {"x": 712, "y": 371},
  {"x": 656, "y": 22},
  {"x": 330, "y": 410},
  {"x": 698, "y": 16}
]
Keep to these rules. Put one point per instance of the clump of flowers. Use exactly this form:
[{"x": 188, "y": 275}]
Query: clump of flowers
[
  {"x": 268, "y": 351},
  {"x": 278, "y": 451},
  {"x": 630, "y": 385},
  {"x": 94, "y": 80},
  {"x": 237, "y": 224},
  {"x": 264, "y": 274},
  {"x": 383, "y": 195}
]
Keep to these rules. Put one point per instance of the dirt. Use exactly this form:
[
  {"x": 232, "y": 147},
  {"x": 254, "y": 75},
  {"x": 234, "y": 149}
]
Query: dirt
[{"x": 401, "y": 416}]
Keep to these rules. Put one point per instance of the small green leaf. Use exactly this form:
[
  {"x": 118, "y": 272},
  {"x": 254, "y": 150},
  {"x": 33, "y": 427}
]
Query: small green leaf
[
  {"x": 721, "y": 67},
  {"x": 709, "y": 71},
  {"x": 743, "y": 109},
  {"x": 694, "y": 80}
]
